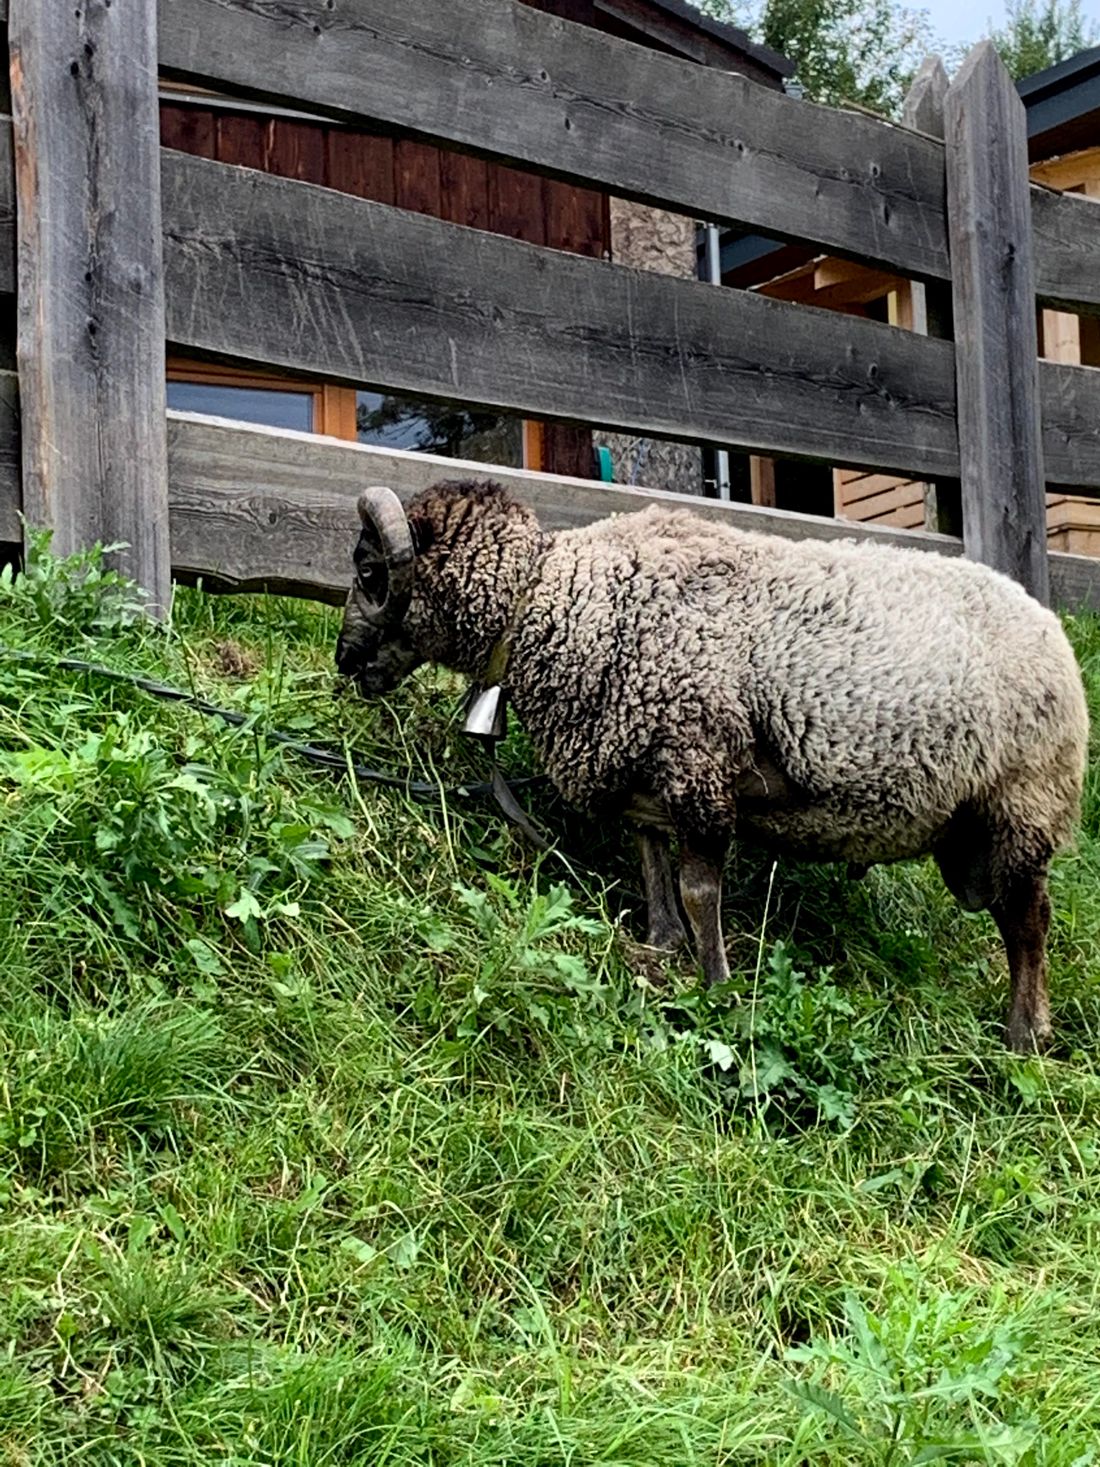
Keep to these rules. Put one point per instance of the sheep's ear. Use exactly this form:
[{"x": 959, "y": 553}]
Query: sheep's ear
[{"x": 423, "y": 533}]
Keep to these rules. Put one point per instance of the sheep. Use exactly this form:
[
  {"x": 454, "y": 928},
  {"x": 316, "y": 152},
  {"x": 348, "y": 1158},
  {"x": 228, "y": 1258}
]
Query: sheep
[{"x": 836, "y": 701}]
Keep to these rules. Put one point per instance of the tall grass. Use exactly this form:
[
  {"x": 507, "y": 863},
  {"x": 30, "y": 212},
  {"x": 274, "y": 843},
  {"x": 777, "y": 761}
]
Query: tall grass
[{"x": 333, "y": 1129}]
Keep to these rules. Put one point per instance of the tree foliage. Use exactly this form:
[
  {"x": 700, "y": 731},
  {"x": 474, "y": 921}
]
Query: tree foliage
[
  {"x": 866, "y": 51},
  {"x": 861, "y": 51},
  {"x": 1040, "y": 33}
]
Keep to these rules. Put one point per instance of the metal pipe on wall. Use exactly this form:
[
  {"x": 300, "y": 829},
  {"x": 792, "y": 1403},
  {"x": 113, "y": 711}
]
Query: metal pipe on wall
[{"x": 714, "y": 275}]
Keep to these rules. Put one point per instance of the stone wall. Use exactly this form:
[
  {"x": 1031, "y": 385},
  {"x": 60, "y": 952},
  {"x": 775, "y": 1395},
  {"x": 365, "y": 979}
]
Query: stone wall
[{"x": 653, "y": 239}]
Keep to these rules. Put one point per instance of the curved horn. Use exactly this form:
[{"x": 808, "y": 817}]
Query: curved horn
[{"x": 381, "y": 510}]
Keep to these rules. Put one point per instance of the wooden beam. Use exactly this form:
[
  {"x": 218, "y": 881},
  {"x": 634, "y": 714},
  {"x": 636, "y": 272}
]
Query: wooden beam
[
  {"x": 7, "y": 209},
  {"x": 1067, "y": 249},
  {"x": 1061, "y": 338},
  {"x": 260, "y": 508},
  {"x": 307, "y": 279},
  {"x": 1070, "y": 171},
  {"x": 839, "y": 283},
  {"x": 507, "y": 80},
  {"x": 996, "y": 347},
  {"x": 256, "y": 508},
  {"x": 922, "y": 109},
  {"x": 91, "y": 295},
  {"x": 1070, "y": 398},
  {"x": 930, "y": 309},
  {"x": 762, "y": 480}
]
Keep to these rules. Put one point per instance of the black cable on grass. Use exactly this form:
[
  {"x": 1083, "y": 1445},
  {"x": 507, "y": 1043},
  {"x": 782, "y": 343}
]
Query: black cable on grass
[
  {"x": 497, "y": 789},
  {"x": 328, "y": 758}
]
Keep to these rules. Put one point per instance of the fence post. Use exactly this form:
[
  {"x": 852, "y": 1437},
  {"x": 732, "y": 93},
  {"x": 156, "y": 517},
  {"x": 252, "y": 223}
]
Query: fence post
[
  {"x": 996, "y": 341},
  {"x": 923, "y": 111},
  {"x": 90, "y": 315}
]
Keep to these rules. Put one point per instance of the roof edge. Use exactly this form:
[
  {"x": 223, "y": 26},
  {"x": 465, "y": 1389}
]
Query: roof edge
[{"x": 732, "y": 35}]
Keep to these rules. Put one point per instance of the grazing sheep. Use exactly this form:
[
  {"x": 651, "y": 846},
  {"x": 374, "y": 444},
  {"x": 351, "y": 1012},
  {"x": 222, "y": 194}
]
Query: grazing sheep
[{"x": 836, "y": 701}]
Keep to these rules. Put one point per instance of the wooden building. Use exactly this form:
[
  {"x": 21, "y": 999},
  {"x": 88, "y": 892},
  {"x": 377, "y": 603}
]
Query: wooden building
[{"x": 399, "y": 169}]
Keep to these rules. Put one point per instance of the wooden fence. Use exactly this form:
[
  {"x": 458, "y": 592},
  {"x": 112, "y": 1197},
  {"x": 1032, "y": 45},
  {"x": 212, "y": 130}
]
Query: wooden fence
[{"x": 124, "y": 247}]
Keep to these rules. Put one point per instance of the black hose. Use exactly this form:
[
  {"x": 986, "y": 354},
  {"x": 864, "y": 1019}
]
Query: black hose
[{"x": 315, "y": 753}]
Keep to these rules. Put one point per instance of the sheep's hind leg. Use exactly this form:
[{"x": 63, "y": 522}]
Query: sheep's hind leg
[
  {"x": 701, "y": 889},
  {"x": 666, "y": 931},
  {"x": 1022, "y": 912}
]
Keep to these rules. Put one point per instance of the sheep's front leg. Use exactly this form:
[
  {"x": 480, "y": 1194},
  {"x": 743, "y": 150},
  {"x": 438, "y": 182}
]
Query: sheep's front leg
[
  {"x": 701, "y": 889},
  {"x": 666, "y": 931}
]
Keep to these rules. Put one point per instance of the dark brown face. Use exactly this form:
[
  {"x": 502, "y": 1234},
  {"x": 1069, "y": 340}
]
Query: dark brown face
[{"x": 375, "y": 646}]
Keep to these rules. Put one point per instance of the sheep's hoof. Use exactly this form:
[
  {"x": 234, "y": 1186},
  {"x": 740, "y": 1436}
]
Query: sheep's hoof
[
  {"x": 650, "y": 964},
  {"x": 668, "y": 939},
  {"x": 1023, "y": 1037}
]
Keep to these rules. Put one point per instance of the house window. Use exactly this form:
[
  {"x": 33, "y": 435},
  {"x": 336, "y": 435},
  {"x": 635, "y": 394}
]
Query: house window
[
  {"x": 274, "y": 408},
  {"x": 390, "y": 420}
]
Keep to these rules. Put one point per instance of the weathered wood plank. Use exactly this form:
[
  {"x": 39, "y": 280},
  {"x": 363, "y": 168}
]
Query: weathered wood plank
[
  {"x": 7, "y": 208},
  {"x": 272, "y": 271},
  {"x": 923, "y": 105},
  {"x": 91, "y": 291},
  {"x": 11, "y": 476},
  {"x": 256, "y": 508},
  {"x": 259, "y": 507},
  {"x": 507, "y": 80},
  {"x": 996, "y": 343},
  {"x": 5, "y": 79},
  {"x": 1070, "y": 398},
  {"x": 930, "y": 302},
  {"x": 1066, "y": 230}
]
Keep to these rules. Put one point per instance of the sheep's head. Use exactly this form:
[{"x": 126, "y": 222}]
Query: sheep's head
[
  {"x": 375, "y": 646},
  {"x": 435, "y": 585}
]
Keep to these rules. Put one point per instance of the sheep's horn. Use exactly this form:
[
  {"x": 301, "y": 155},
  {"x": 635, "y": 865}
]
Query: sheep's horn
[{"x": 380, "y": 508}]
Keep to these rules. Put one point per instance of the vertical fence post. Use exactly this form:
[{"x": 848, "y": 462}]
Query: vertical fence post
[
  {"x": 996, "y": 340},
  {"x": 90, "y": 279},
  {"x": 923, "y": 110}
]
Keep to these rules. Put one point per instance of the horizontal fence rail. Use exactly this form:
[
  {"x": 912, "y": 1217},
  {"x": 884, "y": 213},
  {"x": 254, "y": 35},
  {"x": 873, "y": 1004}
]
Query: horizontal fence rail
[
  {"x": 527, "y": 87},
  {"x": 280, "y": 273},
  {"x": 1066, "y": 229},
  {"x": 512, "y": 82},
  {"x": 266, "y": 508},
  {"x": 308, "y": 279},
  {"x": 288, "y": 274}
]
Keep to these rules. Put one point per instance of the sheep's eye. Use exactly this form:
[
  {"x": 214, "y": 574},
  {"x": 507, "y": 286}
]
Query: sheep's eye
[{"x": 371, "y": 580}]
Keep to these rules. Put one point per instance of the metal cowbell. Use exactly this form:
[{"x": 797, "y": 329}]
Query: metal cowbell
[{"x": 486, "y": 716}]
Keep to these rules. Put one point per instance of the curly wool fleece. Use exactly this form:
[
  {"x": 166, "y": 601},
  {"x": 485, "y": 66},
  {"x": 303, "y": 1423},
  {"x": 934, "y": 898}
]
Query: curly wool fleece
[{"x": 838, "y": 700}]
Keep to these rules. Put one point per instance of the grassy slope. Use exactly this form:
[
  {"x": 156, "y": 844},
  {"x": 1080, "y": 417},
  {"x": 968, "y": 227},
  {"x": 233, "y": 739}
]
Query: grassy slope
[{"x": 332, "y": 1132}]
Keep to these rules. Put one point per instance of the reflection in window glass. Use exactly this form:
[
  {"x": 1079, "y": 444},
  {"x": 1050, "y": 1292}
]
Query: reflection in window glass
[
  {"x": 391, "y": 421},
  {"x": 269, "y": 406}
]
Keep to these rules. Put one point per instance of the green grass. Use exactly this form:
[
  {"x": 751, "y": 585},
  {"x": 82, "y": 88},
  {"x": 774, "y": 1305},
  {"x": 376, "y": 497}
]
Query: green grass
[{"x": 334, "y": 1130}]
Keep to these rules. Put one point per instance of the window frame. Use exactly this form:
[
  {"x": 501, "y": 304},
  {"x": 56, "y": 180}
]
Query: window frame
[{"x": 334, "y": 406}]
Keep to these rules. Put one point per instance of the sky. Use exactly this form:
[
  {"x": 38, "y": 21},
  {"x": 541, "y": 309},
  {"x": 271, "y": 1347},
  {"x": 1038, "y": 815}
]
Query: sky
[{"x": 958, "y": 21}]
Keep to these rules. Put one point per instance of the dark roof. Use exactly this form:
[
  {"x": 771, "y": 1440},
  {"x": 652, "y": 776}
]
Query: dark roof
[
  {"x": 731, "y": 34},
  {"x": 1063, "y": 106},
  {"x": 1055, "y": 77}
]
